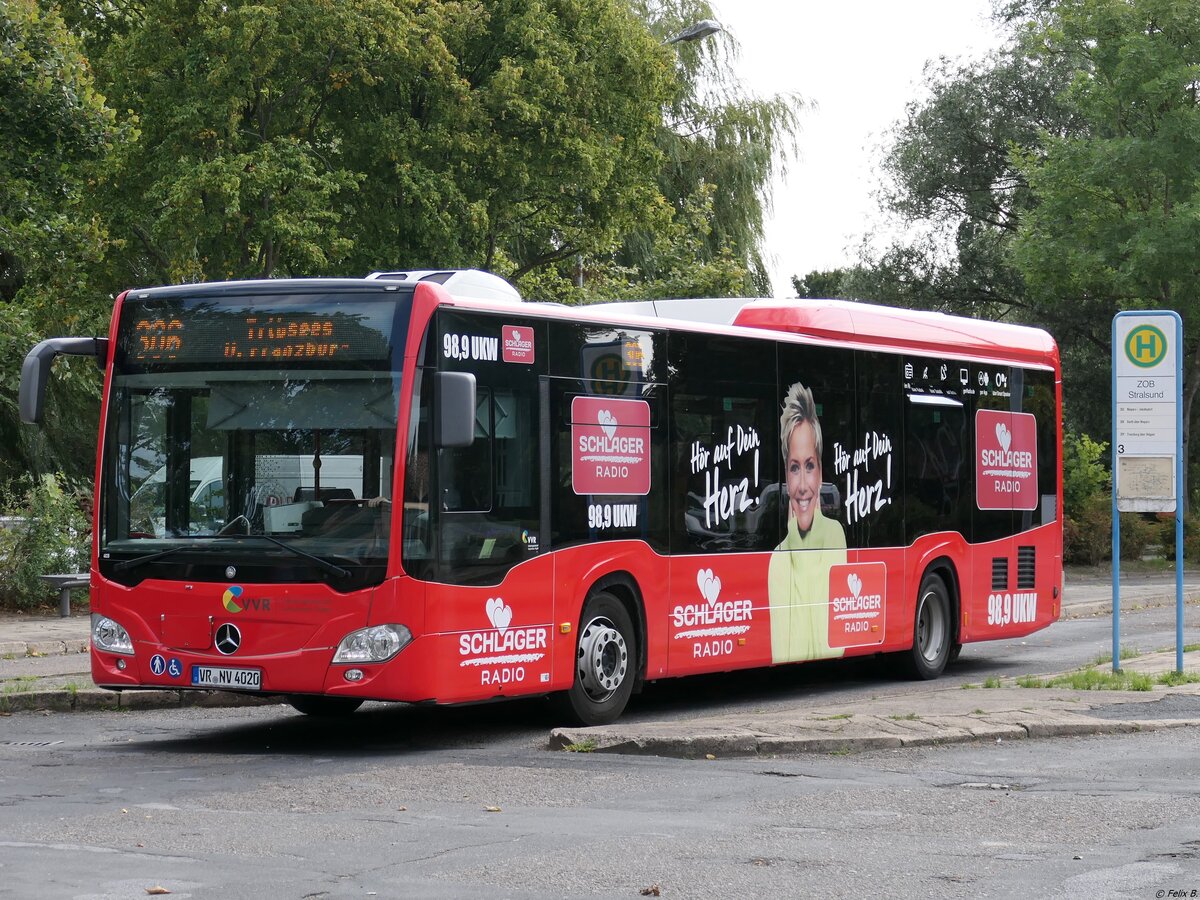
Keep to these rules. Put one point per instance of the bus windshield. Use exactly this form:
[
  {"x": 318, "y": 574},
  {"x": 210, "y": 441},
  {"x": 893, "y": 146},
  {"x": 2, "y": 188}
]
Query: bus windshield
[{"x": 262, "y": 433}]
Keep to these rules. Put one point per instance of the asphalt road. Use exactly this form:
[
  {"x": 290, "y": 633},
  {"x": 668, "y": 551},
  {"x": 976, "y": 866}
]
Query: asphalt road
[
  {"x": 260, "y": 803},
  {"x": 413, "y": 802}
]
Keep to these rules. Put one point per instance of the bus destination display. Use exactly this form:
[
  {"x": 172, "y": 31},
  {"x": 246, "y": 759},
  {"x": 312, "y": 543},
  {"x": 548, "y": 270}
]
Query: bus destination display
[{"x": 179, "y": 334}]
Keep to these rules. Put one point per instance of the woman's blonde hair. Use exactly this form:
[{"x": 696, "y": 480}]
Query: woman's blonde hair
[{"x": 799, "y": 407}]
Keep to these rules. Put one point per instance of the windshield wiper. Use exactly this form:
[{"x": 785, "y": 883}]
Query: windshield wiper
[
  {"x": 150, "y": 557},
  {"x": 331, "y": 568}
]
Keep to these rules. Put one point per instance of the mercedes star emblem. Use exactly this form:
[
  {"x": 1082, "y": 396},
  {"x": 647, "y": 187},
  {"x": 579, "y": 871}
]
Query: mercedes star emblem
[{"x": 228, "y": 639}]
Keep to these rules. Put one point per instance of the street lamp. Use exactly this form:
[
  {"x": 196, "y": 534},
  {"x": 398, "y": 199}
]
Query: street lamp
[{"x": 695, "y": 32}]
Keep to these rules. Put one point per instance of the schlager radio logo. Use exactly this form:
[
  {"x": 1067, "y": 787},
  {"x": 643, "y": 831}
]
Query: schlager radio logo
[
  {"x": 714, "y": 625},
  {"x": 610, "y": 441},
  {"x": 1006, "y": 460},
  {"x": 502, "y": 652},
  {"x": 856, "y": 604},
  {"x": 517, "y": 344}
]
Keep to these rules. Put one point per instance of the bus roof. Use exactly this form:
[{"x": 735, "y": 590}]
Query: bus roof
[
  {"x": 852, "y": 322},
  {"x": 884, "y": 326}
]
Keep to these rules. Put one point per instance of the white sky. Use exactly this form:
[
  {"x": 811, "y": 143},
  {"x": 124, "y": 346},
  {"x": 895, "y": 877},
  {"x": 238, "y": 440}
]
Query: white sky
[{"x": 861, "y": 62}]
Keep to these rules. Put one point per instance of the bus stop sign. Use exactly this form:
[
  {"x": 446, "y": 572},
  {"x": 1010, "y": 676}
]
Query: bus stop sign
[{"x": 1146, "y": 410}]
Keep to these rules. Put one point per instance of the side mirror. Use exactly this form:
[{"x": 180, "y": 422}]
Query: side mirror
[
  {"x": 35, "y": 371},
  {"x": 453, "y": 409}
]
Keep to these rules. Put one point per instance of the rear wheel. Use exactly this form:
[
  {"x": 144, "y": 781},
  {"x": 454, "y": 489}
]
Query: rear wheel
[
  {"x": 932, "y": 637},
  {"x": 325, "y": 707},
  {"x": 605, "y": 663}
]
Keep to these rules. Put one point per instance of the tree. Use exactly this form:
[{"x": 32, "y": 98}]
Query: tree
[
  {"x": 57, "y": 131},
  {"x": 960, "y": 197},
  {"x": 721, "y": 147},
  {"x": 303, "y": 137},
  {"x": 822, "y": 285},
  {"x": 1117, "y": 217},
  {"x": 950, "y": 182}
]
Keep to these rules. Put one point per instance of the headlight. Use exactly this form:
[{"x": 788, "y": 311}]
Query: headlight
[
  {"x": 109, "y": 636},
  {"x": 375, "y": 644}
]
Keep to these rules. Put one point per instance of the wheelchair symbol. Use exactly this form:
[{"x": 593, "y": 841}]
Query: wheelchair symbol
[{"x": 174, "y": 669}]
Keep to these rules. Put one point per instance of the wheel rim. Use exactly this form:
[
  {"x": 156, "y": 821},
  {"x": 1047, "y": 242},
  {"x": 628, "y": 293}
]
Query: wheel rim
[
  {"x": 931, "y": 627},
  {"x": 603, "y": 659}
]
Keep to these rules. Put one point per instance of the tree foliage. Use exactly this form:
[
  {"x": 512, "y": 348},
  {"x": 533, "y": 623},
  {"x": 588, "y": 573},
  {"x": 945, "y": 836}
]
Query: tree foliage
[
  {"x": 166, "y": 141},
  {"x": 721, "y": 147},
  {"x": 952, "y": 186},
  {"x": 1055, "y": 183},
  {"x": 58, "y": 132},
  {"x": 826, "y": 285},
  {"x": 55, "y": 125},
  {"x": 303, "y": 136},
  {"x": 1116, "y": 222}
]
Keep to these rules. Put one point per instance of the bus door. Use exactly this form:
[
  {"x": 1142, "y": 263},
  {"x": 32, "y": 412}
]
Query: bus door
[
  {"x": 488, "y": 498},
  {"x": 607, "y": 462}
]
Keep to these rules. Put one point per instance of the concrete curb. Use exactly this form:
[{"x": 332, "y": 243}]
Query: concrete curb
[
  {"x": 93, "y": 699},
  {"x": 46, "y": 647},
  {"x": 874, "y": 735}
]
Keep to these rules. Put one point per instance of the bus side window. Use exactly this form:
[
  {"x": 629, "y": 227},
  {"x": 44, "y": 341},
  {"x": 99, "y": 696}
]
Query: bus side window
[{"x": 466, "y": 472}]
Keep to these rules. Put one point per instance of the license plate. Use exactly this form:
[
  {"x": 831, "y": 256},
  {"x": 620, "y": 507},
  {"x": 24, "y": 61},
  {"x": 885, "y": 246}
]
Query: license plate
[{"x": 221, "y": 677}]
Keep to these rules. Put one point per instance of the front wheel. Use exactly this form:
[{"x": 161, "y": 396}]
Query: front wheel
[
  {"x": 605, "y": 663},
  {"x": 324, "y": 707},
  {"x": 932, "y": 637}
]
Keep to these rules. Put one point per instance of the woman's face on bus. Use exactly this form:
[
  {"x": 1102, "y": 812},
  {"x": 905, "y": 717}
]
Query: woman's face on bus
[{"x": 803, "y": 475}]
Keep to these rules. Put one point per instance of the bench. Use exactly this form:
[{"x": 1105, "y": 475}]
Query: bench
[{"x": 63, "y": 584}]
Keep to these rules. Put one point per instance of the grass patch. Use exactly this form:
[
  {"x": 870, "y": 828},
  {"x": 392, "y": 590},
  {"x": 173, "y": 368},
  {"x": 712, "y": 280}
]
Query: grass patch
[
  {"x": 21, "y": 684},
  {"x": 587, "y": 745},
  {"x": 1174, "y": 679},
  {"x": 911, "y": 717},
  {"x": 836, "y": 716},
  {"x": 1091, "y": 680},
  {"x": 977, "y": 712},
  {"x": 970, "y": 687},
  {"x": 1126, "y": 653}
]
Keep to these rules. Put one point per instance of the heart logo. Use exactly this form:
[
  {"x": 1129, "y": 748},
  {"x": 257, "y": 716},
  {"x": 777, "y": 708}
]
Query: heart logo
[
  {"x": 498, "y": 613},
  {"x": 608, "y": 422},
  {"x": 854, "y": 583},
  {"x": 516, "y": 335},
  {"x": 709, "y": 584},
  {"x": 1003, "y": 435}
]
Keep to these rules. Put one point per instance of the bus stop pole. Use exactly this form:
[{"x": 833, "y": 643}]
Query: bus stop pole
[{"x": 1116, "y": 529}]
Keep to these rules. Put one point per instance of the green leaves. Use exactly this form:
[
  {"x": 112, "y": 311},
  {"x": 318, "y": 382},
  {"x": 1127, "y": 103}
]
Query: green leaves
[{"x": 166, "y": 141}]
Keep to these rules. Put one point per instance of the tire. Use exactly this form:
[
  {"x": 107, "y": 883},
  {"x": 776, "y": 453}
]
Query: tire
[
  {"x": 932, "y": 637},
  {"x": 324, "y": 707},
  {"x": 605, "y": 663}
]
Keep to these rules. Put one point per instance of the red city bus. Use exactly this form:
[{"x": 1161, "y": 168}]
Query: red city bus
[{"x": 347, "y": 489}]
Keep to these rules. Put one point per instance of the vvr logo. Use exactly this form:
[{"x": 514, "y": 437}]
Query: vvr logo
[{"x": 235, "y": 601}]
